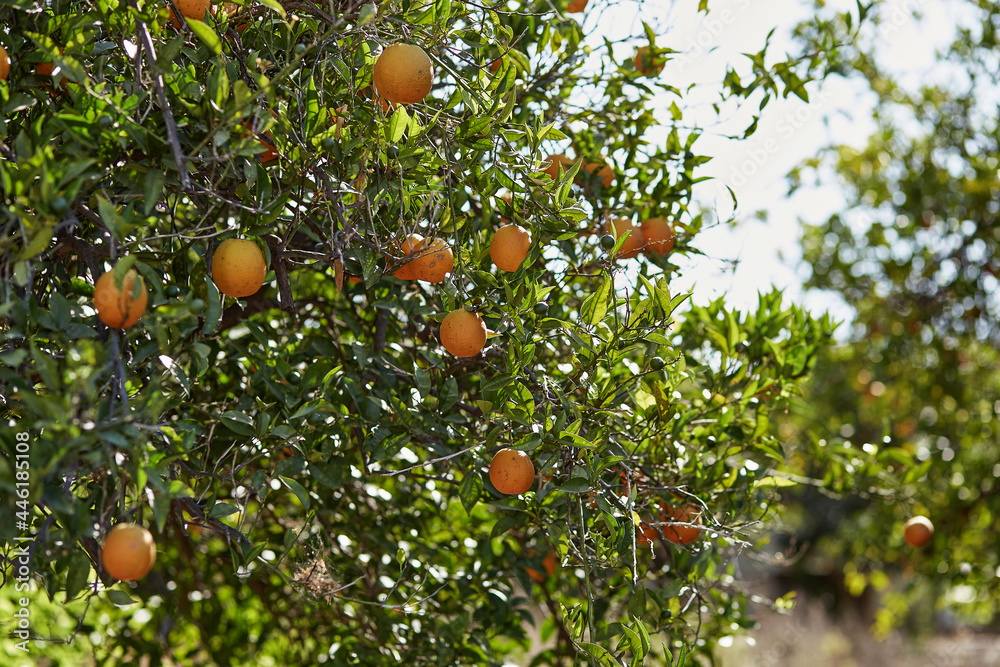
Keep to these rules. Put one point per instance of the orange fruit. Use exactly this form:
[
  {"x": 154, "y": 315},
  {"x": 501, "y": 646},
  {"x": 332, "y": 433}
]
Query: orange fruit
[
  {"x": 603, "y": 171},
  {"x": 658, "y": 236},
  {"x": 549, "y": 563},
  {"x": 192, "y": 9},
  {"x": 552, "y": 162},
  {"x": 918, "y": 531},
  {"x": 270, "y": 152},
  {"x": 633, "y": 243},
  {"x": 576, "y": 6},
  {"x": 129, "y": 552},
  {"x": 4, "y": 64},
  {"x": 463, "y": 333},
  {"x": 406, "y": 248},
  {"x": 509, "y": 247},
  {"x": 689, "y": 513},
  {"x": 644, "y": 62},
  {"x": 646, "y": 533},
  {"x": 46, "y": 69},
  {"x": 403, "y": 74},
  {"x": 434, "y": 260},
  {"x": 120, "y": 308},
  {"x": 512, "y": 472},
  {"x": 238, "y": 267}
]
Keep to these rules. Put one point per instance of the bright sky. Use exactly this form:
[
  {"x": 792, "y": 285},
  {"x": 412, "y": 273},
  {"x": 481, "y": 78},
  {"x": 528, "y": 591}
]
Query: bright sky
[{"x": 788, "y": 132}]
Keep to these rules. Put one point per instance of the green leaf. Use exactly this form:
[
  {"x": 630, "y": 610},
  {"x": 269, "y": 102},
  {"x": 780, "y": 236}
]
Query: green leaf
[
  {"x": 222, "y": 510},
  {"x": 109, "y": 214},
  {"x": 273, "y": 4},
  {"x": 153, "y": 188},
  {"x": 122, "y": 267},
  {"x": 238, "y": 422},
  {"x": 397, "y": 124},
  {"x": 595, "y": 306},
  {"x": 120, "y": 598},
  {"x": 298, "y": 490},
  {"x": 599, "y": 653},
  {"x": 213, "y": 301},
  {"x": 469, "y": 491},
  {"x": 290, "y": 466},
  {"x": 37, "y": 244},
  {"x": 207, "y": 34},
  {"x": 77, "y": 575},
  {"x": 774, "y": 481},
  {"x": 576, "y": 485}
]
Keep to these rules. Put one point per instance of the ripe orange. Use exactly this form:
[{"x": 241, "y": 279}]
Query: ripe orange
[
  {"x": 633, "y": 243},
  {"x": 552, "y": 162},
  {"x": 192, "y": 9},
  {"x": 549, "y": 563},
  {"x": 270, "y": 152},
  {"x": 509, "y": 247},
  {"x": 463, "y": 333},
  {"x": 403, "y": 74},
  {"x": 434, "y": 260},
  {"x": 646, "y": 533},
  {"x": 238, "y": 267},
  {"x": 658, "y": 236},
  {"x": 603, "y": 171},
  {"x": 689, "y": 513},
  {"x": 576, "y": 6},
  {"x": 120, "y": 308},
  {"x": 644, "y": 62},
  {"x": 918, "y": 531},
  {"x": 4, "y": 64},
  {"x": 129, "y": 552},
  {"x": 46, "y": 69},
  {"x": 512, "y": 472},
  {"x": 406, "y": 248}
]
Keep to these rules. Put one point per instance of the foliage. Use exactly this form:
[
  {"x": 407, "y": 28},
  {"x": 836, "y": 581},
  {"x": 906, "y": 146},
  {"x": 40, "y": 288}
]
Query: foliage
[
  {"x": 310, "y": 461},
  {"x": 915, "y": 255}
]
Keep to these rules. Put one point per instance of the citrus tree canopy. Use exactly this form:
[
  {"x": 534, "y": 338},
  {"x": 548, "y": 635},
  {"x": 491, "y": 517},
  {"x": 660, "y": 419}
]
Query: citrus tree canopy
[
  {"x": 311, "y": 461},
  {"x": 902, "y": 416}
]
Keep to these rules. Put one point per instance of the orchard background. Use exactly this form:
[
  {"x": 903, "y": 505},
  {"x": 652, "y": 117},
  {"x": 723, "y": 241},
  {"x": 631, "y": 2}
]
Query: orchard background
[{"x": 312, "y": 463}]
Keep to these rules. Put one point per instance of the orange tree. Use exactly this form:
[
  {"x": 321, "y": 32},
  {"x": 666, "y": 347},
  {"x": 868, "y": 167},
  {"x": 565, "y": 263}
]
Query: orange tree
[
  {"x": 902, "y": 415},
  {"x": 312, "y": 463}
]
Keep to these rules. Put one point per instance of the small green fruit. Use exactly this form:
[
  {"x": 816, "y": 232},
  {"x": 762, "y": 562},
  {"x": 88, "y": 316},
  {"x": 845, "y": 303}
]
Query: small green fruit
[
  {"x": 607, "y": 241},
  {"x": 657, "y": 363},
  {"x": 59, "y": 205},
  {"x": 105, "y": 121},
  {"x": 300, "y": 49},
  {"x": 197, "y": 306},
  {"x": 328, "y": 144},
  {"x": 541, "y": 308}
]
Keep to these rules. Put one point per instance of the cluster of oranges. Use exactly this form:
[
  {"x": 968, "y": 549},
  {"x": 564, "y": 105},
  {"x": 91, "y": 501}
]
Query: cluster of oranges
[
  {"x": 238, "y": 270},
  {"x": 402, "y": 74}
]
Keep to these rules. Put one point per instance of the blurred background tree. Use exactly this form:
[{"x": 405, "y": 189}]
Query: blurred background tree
[{"x": 903, "y": 412}]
